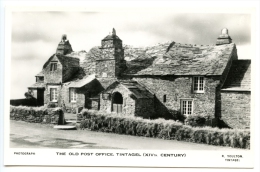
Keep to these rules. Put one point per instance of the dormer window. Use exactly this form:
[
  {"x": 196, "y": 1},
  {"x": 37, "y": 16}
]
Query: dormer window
[
  {"x": 53, "y": 66},
  {"x": 198, "y": 84},
  {"x": 39, "y": 79}
]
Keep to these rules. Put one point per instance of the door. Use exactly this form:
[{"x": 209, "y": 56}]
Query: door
[
  {"x": 117, "y": 102},
  {"x": 40, "y": 97},
  {"x": 88, "y": 101}
]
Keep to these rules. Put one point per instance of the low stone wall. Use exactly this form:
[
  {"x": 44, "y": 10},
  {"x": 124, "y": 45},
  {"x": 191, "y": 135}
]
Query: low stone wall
[
  {"x": 235, "y": 109},
  {"x": 37, "y": 114}
]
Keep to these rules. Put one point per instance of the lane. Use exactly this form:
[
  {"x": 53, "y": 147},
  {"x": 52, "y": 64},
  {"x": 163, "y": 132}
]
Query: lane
[{"x": 32, "y": 135}]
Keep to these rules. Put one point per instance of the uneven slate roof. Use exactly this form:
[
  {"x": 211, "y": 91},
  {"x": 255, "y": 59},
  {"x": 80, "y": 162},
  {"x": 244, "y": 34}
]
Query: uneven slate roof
[
  {"x": 80, "y": 83},
  {"x": 41, "y": 73},
  {"x": 78, "y": 54},
  {"x": 182, "y": 59},
  {"x": 61, "y": 59},
  {"x": 70, "y": 60},
  {"x": 239, "y": 76},
  {"x": 136, "y": 89},
  {"x": 37, "y": 85}
]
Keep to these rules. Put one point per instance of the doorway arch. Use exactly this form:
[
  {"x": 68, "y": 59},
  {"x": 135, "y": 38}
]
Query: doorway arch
[{"x": 117, "y": 102}]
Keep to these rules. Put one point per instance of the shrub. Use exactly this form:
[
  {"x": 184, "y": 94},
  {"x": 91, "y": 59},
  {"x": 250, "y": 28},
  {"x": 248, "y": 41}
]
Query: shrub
[
  {"x": 35, "y": 114},
  {"x": 52, "y": 105},
  {"x": 198, "y": 121},
  {"x": 177, "y": 116},
  {"x": 164, "y": 129}
]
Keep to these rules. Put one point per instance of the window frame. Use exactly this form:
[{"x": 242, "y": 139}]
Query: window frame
[
  {"x": 73, "y": 95},
  {"x": 186, "y": 107},
  {"x": 198, "y": 82},
  {"x": 54, "y": 66},
  {"x": 51, "y": 94}
]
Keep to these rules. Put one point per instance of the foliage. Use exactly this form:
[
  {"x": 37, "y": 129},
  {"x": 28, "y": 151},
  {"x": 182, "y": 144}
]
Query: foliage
[
  {"x": 164, "y": 129},
  {"x": 197, "y": 120},
  {"x": 177, "y": 116},
  {"x": 52, "y": 105},
  {"x": 40, "y": 114}
]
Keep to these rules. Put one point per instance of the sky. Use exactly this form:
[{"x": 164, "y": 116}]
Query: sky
[{"x": 35, "y": 35}]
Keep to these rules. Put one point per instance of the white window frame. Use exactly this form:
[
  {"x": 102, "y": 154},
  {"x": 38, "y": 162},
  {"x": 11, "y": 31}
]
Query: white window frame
[
  {"x": 54, "y": 98},
  {"x": 187, "y": 107},
  {"x": 73, "y": 95},
  {"x": 198, "y": 84}
]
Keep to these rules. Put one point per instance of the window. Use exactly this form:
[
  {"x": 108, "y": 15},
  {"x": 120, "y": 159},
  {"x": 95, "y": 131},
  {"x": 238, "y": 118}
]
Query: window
[
  {"x": 39, "y": 79},
  {"x": 53, "y": 66},
  {"x": 198, "y": 84},
  {"x": 54, "y": 94},
  {"x": 164, "y": 98},
  {"x": 186, "y": 107},
  {"x": 73, "y": 95}
]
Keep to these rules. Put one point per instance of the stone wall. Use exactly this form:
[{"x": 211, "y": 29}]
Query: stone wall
[
  {"x": 128, "y": 107},
  {"x": 64, "y": 48},
  {"x": 86, "y": 96},
  {"x": 110, "y": 63},
  {"x": 131, "y": 105},
  {"x": 235, "y": 108},
  {"x": 144, "y": 108},
  {"x": 37, "y": 115},
  {"x": 177, "y": 88},
  {"x": 105, "y": 68},
  {"x": 53, "y": 76},
  {"x": 47, "y": 94},
  {"x": 111, "y": 43}
]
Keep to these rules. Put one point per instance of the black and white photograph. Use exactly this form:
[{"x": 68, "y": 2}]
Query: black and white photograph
[{"x": 135, "y": 85}]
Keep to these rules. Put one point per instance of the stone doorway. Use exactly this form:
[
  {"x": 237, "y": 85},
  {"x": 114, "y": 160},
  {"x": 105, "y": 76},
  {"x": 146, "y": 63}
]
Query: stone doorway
[{"x": 117, "y": 102}]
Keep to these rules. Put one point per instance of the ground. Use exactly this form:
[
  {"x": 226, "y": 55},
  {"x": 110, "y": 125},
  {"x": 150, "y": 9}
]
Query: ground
[{"x": 34, "y": 135}]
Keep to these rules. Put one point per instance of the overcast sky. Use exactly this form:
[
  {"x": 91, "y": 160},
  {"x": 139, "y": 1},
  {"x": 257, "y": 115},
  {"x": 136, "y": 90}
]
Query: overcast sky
[{"x": 35, "y": 35}]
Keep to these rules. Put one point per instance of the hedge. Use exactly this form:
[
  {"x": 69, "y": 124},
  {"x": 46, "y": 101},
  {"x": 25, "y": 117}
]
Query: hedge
[
  {"x": 37, "y": 114},
  {"x": 164, "y": 129}
]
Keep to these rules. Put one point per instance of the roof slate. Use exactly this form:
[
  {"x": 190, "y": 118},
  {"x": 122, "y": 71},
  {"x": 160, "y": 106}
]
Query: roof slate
[
  {"x": 136, "y": 89},
  {"x": 80, "y": 83},
  {"x": 40, "y": 73},
  {"x": 37, "y": 85},
  {"x": 182, "y": 59},
  {"x": 61, "y": 59},
  {"x": 239, "y": 76}
]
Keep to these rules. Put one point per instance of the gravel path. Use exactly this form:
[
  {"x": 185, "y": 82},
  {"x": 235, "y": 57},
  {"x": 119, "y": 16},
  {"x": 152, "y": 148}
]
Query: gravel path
[{"x": 33, "y": 135}]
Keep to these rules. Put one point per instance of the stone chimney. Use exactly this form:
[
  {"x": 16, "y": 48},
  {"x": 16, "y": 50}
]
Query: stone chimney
[
  {"x": 111, "y": 62},
  {"x": 113, "y": 32},
  {"x": 64, "y": 46},
  {"x": 224, "y": 38}
]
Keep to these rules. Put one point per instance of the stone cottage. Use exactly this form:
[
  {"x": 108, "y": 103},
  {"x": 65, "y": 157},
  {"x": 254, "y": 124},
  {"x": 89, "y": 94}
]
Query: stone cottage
[{"x": 150, "y": 82}]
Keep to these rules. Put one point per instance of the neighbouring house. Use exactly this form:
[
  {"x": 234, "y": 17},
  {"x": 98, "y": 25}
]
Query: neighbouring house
[{"x": 151, "y": 82}]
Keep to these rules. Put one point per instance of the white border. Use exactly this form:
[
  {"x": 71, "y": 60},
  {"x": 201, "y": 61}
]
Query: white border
[{"x": 225, "y": 6}]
